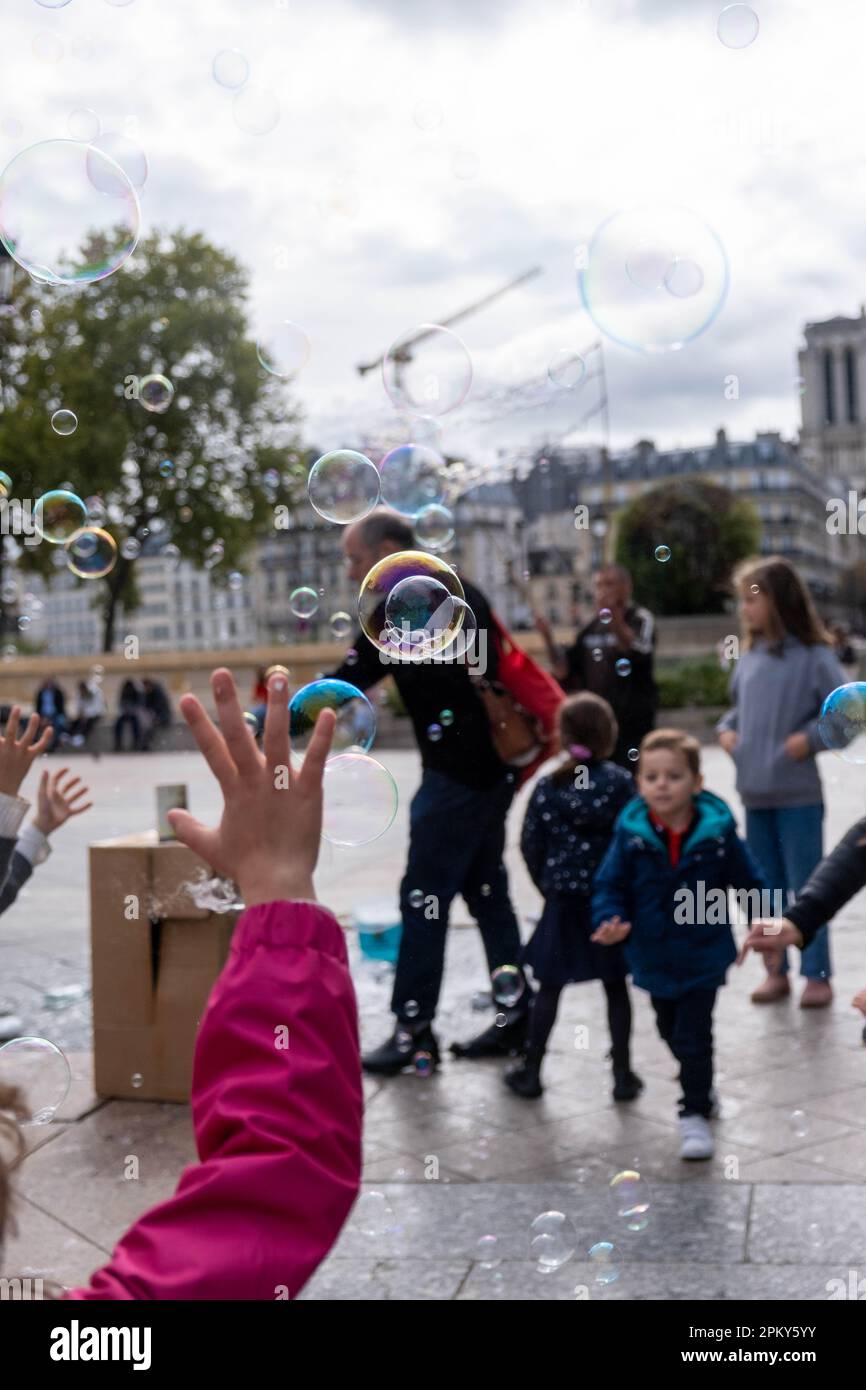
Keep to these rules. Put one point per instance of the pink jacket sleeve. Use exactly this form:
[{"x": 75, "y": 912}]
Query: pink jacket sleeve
[{"x": 276, "y": 1103}]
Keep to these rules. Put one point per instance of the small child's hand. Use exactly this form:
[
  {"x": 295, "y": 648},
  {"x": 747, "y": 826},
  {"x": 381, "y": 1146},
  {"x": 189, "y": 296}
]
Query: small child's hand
[
  {"x": 612, "y": 932},
  {"x": 57, "y": 800},
  {"x": 797, "y": 746},
  {"x": 729, "y": 740},
  {"x": 17, "y": 755},
  {"x": 769, "y": 936},
  {"x": 859, "y": 1001}
]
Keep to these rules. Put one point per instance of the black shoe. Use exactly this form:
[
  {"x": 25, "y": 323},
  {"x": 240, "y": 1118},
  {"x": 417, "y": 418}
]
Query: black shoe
[
  {"x": 524, "y": 1079},
  {"x": 496, "y": 1041},
  {"x": 627, "y": 1085},
  {"x": 406, "y": 1046}
]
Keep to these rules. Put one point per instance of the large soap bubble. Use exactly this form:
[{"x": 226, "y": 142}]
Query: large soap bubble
[
  {"x": 386, "y": 599},
  {"x": 360, "y": 799},
  {"x": 427, "y": 371},
  {"x": 413, "y": 477},
  {"x": 343, "y": 486},
  {"x": 356, "y": 718},
  {"x": 842, "y": 722}
]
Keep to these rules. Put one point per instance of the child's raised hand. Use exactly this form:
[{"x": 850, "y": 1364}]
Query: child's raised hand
[
  {"x": 16, "y": 754},
  {"x": 770, "y": 936},
  {"x": 612, "y": 932},
  {"x": 268, "y": 838},
  {"x": 58, "y": 800}
]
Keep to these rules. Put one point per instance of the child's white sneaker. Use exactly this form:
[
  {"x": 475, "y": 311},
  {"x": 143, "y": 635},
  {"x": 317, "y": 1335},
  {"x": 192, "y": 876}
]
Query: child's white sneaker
[{"x": 696, "y": 1137}]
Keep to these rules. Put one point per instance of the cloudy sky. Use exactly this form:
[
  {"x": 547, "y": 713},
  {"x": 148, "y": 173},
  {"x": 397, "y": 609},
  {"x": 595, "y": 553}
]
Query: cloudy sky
[{"x": 358, "y": 223}]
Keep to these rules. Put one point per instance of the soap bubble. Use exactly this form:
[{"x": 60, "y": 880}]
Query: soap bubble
[
  {"x": 487, "y": 1251},
  {"x": 252, "y": 721},
  {"x": 411, "y": 1008},
  {"x": 91, "y": 553},
  {"x": 662, "y": 553},
  {"x": 597, "y": 654},
  {"x": 507, "y": 984},
  {"x": 155, "y": 393},
  {"x": 128, "y": 156},
  {"x": 434, "y": 733},
  {"x": 799, "y": 1123},
  {"x": 57, "y": 515},
  {"x": 341, "y": 625},
  {"x": 52, "y": 4},
  {"x": 434, "y": 527},
  {"x": 5, "y": 483},
  {"x": 465, "y": 645},
  {"x": 631, "y": 1199},
  {"x": 171, "y": 552},
  {"x": 656, "y": 277},
  {"x": 424, "y": 1064},
  {"x": 567, "y": 369},
  {"x": 283, "y": 349},
  {"x": 40, "y": 1071},
  {"x": 360, "y": 799},
  {"x": 427, "y": 370},
  {"x": 166, "y": 468},
  {"x": 633, "y": 755},
  {"x": 137, "y": 1080},
  {"x": 427, "y": 114},
  {"x": 64, "y": 422},
  {"x": 9, "y": 591},
  {"x": 602, "y": 1256},
  {"x": 420, "y": 598},
  {"x": 373, "y": 1215},
  {"x": 130, "y": 548},
  {"x": 842, "y": 722},
  {"x": 446, "y": 718},
  {"x": 50, "y": 205},
  {"x": 343, "y": 486},
  {"x": 256, "y": 110},
  {"x": 83, "y": 124},
  {"x": 304, "y": 602},
  {"x": 623, "y": 667},
  {"x": 552, "y": 1240},
  {"x": 230, "y": 68},
  {"x": 605, "y": 616},
  {"x": 738, "y": 26},
  {"x": 356, "y": 718},
  {"x": 412, "y": 478},
  {"x": 416, "y": 897}
]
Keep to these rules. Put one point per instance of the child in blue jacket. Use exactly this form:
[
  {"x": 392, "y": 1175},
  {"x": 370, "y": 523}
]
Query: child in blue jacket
[{"x": 662, "y": 889}]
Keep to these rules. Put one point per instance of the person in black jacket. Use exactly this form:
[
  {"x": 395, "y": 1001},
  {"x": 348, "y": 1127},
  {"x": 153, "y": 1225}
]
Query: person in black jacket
[
  {"x": 457, "y": 818},
  {"x": 836, "y": 879},
  {"x": 156, "y": 711}
]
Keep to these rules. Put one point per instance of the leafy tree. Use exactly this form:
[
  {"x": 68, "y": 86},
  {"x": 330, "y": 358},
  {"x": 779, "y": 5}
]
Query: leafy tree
[
  {"x": 707, "y": 530},
  {"x": 206, "y": 473}
]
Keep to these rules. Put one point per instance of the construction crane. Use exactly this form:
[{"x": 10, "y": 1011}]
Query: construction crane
[{"x": 404, "y": 353}]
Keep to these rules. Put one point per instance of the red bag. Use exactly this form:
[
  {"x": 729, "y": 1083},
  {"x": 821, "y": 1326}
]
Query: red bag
[{"x": 535, "y": 698}]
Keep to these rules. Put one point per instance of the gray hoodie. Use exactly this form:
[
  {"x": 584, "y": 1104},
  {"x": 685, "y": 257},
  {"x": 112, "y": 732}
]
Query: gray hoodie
[{"x": 777, "y": 691}]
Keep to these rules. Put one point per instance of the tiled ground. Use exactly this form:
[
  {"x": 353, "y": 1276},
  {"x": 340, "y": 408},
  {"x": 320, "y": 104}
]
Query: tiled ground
[{"x": 450, "y": 1159}]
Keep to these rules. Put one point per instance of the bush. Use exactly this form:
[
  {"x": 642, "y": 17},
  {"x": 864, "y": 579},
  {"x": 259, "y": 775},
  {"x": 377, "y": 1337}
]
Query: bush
[{"x": 692, "y": 683}]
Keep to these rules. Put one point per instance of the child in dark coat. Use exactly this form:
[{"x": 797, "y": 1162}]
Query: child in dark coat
[
  {"x": 662, "y": 889},
  {"x": 568, "y": 825}
]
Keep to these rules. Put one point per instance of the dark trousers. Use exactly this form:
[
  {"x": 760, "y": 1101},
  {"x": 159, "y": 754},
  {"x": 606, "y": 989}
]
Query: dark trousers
[
  {"x": 456, "y": 843},
  {"x": 122, "y": 720},
  {"x": 686, "y": 1024}
]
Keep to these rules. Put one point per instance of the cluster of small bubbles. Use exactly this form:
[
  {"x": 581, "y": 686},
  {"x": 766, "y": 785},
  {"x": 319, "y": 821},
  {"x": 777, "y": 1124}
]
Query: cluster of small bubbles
[
  {"x": 256, "y": 110},
  {"x": 737, "y": 26},
  {"x": 602, "y": 1257},
  {"x": 356, "y": 718},
  {"x": 799, "y": 1123},
  {"x": 283, "y": 349},
  {"x": 507, "y": 985},
  {"x": 623, "y": 667},
  {"x": 605, "y": 615},
  {"x": 434, "y": 527},
  {"x": 842, "y": 722},
  {"x": 91, "y": 553},
  {"x": 230, "y": 68},
  {"x": 130, "y": 548},
  {"x": 633, "y": 755},
  {"x": 432, "y": 381},
  {"x": 446, "y": 718},
  {"x": 631, "y": 1199},
  {"x": 304, "y": 602},
  {"x": 155, "y": 392},
  {"x": 58, "y": 515},
  {"x": 662, "y": 553},
  {"x": 343, "y": 486},
  {"x": 552, "y": 1241},
  {"x": 416, "y": 897},
  {"x": 412, "y": 479},
  {"x": 340, "y": 625},
  {"x": 567, "y": 369},
  {"x": 434, "y": 732},
  {"x": 360, "y": 800}
]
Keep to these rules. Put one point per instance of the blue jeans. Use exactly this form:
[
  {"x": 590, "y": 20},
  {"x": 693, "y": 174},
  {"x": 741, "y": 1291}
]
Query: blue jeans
[
  {"x": 787, "y": 843},
  {"x": 456, "y": 844}
]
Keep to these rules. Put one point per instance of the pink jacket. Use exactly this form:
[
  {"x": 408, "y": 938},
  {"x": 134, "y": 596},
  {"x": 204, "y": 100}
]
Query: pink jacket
[{"x": 277, "y": 1124}]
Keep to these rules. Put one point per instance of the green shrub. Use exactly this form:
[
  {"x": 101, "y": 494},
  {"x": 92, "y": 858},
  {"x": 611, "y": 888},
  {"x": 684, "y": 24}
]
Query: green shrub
[{"x": 692, "y": 683}]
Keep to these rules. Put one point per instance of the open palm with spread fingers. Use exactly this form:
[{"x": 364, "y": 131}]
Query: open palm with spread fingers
[
  {"x": 268, "y": 838},
  {"x": 612, "y": 932},
  {"x": 16, "y": 754},
  {"x": 59, "y": 798}
]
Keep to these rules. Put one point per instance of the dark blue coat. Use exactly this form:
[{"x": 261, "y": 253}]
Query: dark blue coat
[
  {"x": 668, "y": 955},
  {"x": 567, "y": 829}
]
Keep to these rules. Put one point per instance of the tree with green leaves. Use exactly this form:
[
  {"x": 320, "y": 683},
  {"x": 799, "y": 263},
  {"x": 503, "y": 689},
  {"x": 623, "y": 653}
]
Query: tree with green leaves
[
  {"x": 207, "y": 471},
  {"x": 706, "y": 529}
]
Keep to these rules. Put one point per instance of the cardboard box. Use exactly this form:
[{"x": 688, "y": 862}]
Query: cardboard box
[{"x": 155, "y": 959}]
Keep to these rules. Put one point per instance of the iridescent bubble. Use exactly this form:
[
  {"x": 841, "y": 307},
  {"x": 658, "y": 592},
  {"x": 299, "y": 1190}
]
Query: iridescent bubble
[
  {"x": 552, "y": 1240},
  {"x": 633, "y": 755},
  {"x": 799, "y": 1123},
  {"x": 166, "y": 468},
  {"x": 230, "y": 68},
  {"x": 605, "y": 615},
  {"x": 40, "y": 1071},
  {"x": 842, "y": 722},
  {"x": 507, "y": 984},
  {"x": 412, "y": 478},
  {"x": 283, "y": 349},
  {"x": 343, "y": 486},
  {"x": 50, "y": 211},
  {"x": 662, "y": 553},
  {"x": 58, "y": 515},
  {"x": 416, "y": 898},
  {"x": 356, "y": 718},
  {"x": 427, "y": 371},
  {"x": 155, "y": 393},
  {"x": 256, "y": 110},
  {"x": 83, "y": 124},
  {"x": 631, "y": 1199},
  {"x": 419, "y": 610},
  {"x": 124, "y": 153},
  {"x": 567, "y": 369},
  {"x": 434, "y": 527},
  {"x": 304, "y": 602},
  {"x": 602, "y": 1256},
  {"x": 252, "y": 722},
  {"x": 341, "y": 626},
  {"x": 434, "y": 733},
  {"x": 446, "y": 718},
  {"x": 5, "y": 484},
  {"x": 655, "y": 278},
  {"x": 425, "y": 570},
  {"x": 623, "y": 667},
  {"x": 360, "y": 799},
  {"x": 738, "y": 26},
  {"x": 465, "y": 644},
  {"x": 411, "y": 1008},
  {"x": 64, "y": 422},
  {"x": 91, "y": 553},
  {"x": 424, "y": 1064}
]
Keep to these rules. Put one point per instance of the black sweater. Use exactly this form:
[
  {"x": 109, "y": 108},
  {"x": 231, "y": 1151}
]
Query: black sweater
[{"x": 836, "y": 879}]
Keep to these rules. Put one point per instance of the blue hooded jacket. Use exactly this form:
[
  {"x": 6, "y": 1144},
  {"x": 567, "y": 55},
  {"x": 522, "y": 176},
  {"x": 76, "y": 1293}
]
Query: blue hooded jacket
[{"x": 637, "y": 882}]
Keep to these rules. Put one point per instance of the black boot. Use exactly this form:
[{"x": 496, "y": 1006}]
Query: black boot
[
  {"x": 627, "y": 1085},
  {"x": 498, "y": 1040},
  {"x": 524, "y": 1079},
  {"x": 399, "y": 1051}
]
